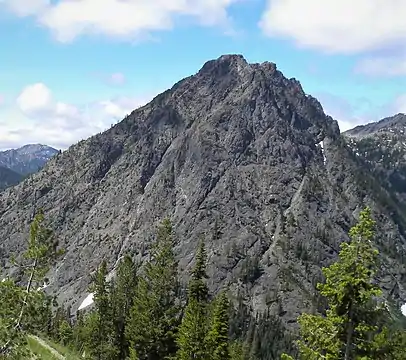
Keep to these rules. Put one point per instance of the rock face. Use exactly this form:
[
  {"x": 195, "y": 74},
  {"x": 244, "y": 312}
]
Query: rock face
[
  {"x": 237, "y": 154},
  {"x": 27, "y": 159}
]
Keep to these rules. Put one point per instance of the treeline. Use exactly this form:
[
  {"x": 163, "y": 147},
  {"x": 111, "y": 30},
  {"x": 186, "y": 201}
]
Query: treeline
[{"x": 144, "y": 313}]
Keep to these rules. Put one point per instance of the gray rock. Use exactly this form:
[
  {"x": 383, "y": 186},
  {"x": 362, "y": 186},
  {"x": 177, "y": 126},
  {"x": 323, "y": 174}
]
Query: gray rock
[{"x": 230, "y": 154}]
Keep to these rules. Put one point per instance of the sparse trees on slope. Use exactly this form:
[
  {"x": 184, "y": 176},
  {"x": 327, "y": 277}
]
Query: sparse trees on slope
[
  {"x": 155, "y": 315},
  {"x": 192, "y": 340},
  {"x": 354, "y": 325},
  {"x": 22, "y": 307}
]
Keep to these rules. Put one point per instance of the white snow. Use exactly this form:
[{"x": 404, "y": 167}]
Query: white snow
[
  {"x": 403, "y": 309},
  {"x": 322, "y": 150},
  {"x": 87, "y": 302}
]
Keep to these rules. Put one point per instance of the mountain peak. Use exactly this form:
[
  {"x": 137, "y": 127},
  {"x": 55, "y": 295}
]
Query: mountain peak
[{"x": 28, "y": 158}]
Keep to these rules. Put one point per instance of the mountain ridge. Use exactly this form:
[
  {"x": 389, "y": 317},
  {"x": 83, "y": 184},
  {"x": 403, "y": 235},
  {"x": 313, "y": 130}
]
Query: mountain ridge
[
  {"x": 237, "y": 154},
  {"x": 27, "y": 159}
]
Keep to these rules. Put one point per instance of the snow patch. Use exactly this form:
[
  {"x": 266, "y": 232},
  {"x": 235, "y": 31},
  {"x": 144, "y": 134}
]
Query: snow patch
[
  {"x": 403, "y": 309},
  {"x": 87, "y": 302},
  {"x": 322, "y": 151}
]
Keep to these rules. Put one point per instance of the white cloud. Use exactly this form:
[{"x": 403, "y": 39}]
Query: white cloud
[
  {"x": 403, "y": 309},
  {"x": 25, "y": 7},
  {"x": 35, "y": 100},
  {"x": 117, "y": 79},
  {"x": 340, "y": 26},
  {"x": 130, "y": 19},
  {"x": 41, "y": 118},
  {"x": 382, "y": 66}
]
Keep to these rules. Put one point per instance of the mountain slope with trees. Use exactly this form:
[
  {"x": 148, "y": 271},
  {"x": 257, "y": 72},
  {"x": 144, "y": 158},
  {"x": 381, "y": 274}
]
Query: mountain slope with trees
[{"x": 236, "y": 154}]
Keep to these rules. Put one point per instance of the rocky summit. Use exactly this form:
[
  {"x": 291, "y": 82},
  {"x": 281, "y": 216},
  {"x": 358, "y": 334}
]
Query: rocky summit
[{"x": 237, "y": 154}]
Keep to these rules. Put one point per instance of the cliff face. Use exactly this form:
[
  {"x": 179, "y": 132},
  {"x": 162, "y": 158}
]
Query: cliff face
[{"x": 238, "y": 154}]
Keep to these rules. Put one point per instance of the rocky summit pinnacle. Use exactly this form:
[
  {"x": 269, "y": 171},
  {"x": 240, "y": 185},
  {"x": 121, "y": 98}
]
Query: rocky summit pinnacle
[{"x": 238, "y": 154}]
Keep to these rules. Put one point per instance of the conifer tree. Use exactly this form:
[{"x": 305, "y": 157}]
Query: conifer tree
[
  {"x": 218, "y": 339},
  {"x": 100, "y": 343},
  {"x": 354, "y": 325},
  {"x": 192, "y": 340},
  {"x": 155, "y": 314},
  {"x": 22, "y": 307},
  {"x": 121, "y": 298}
]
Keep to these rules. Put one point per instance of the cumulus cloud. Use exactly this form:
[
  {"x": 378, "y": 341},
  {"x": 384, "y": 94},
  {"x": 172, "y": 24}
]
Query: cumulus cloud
[
  {"x": 337, "y": 26},
  {"x": 130, "y": 19},
  {"x": 44, "y": 119}
]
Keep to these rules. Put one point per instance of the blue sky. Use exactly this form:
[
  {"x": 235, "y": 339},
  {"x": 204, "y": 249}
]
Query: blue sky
[{"x": 71, "y": 68}]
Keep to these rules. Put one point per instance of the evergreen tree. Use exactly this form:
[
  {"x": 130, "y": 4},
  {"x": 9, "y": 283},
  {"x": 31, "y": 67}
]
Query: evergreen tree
[
  {"x": 155, "y": 314},
  {"x": 121, "y": 298},
  {"x": 100, "y": 344},
  {"x": 217, "y": 339},
  {"x": 65, "y": 333},
  {"x": 354, "y": 325},
  {"x": 22, "y": 308},
  {"x": 192, "y": 341}
]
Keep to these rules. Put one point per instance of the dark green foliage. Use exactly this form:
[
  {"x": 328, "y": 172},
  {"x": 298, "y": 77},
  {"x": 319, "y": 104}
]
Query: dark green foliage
[
  {"x": 23, "y": 308},
  {"x": 355, "y": 324},
  {"x": 122, "y": 299},
  {"x": 217, "y": 338},
  {"x": 270, "y": 338},
  {"x": 192, "y": 339},
  {"x": 155, "y": 314},
  {"x": 198, "y": 289},
  {"x": 100, "y": 344}
]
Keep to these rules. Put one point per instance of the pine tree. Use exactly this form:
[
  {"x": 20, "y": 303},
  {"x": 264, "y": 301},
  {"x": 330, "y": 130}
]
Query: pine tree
[
  {"x": 218, "y": 339},
  {"x": 22, "y": 308},
  {"x": 155, "y": 314},
  {"x": 192, "y": 341},
  {"x": 121, "y": 298},
  {"x": 100, "y": 323},
  {"x": 354, "y": 324}
]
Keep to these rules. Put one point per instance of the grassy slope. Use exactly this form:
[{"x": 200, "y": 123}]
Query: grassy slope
[
  {"x": 43, "y": 353},
  {"x": 39, "y": 351}
]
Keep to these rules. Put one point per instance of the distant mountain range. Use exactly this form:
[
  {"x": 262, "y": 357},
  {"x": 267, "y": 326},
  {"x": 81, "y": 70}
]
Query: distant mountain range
[{"x": 16, "y": 164}]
